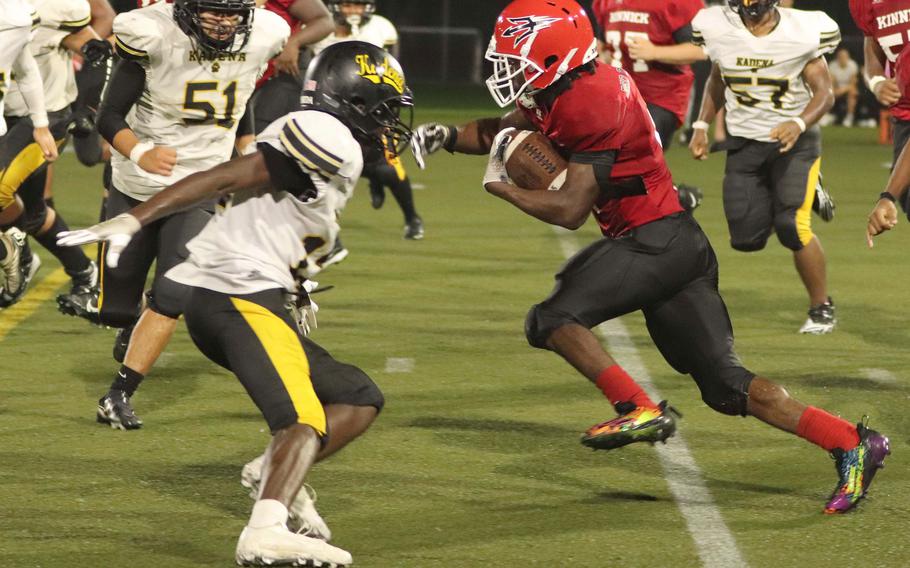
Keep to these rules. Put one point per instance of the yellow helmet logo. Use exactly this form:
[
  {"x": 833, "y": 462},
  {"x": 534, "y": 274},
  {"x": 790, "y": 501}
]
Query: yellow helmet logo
[{"x": 382, "y": 73}]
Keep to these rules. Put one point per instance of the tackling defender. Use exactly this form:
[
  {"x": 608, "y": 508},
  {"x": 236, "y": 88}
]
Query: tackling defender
[
  {"x": 187, "y": 72},
  {"x": 281, "y": 220},
  {"x": 771, "y": 76},
  {"x": 654, "y": 258}
]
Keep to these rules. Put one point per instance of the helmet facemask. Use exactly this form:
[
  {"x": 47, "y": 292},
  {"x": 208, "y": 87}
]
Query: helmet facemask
[
  {"x": 353, "y": 21},
  {"x": 752, "y": 9},
  {"x": 511, "y": 75},
  {"x": 382, "y": 125},
  {"x": 189, "y": 17}
]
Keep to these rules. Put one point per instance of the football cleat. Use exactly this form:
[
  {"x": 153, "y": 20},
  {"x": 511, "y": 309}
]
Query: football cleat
[
  {"x": 276, "y": 545},
  {"x": 18, "y": 267},
  {"x": 822, "y": 319},
  {"x": 634, "y": 424},
  {"x": 690, "y": 197},
  {"x": 336, "y": 255},
  {"x": 115, "y": 409},
  {"x": 856, "y": 468},
  {"x": 82, "y": 300},
  {"x": 823, "y": 205},
  {"x": 303, "y": 518},
  {"x": 413, "y": 230},
  {"x": 122, "y": 343}
]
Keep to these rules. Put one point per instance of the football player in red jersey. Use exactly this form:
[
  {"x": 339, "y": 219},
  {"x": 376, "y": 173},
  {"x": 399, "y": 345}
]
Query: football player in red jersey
[
  {"x": 654, "y": 258},
  {"x": 629, "y": 24},
  {"x": 886, "y": 29}
]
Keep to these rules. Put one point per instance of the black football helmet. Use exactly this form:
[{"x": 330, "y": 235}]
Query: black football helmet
[
  {"x": 188, "y": 15},
  {"x": 752, "y": 8},
  {"x": 364, "y": 87},
  {"x": 369, "y": 8}
]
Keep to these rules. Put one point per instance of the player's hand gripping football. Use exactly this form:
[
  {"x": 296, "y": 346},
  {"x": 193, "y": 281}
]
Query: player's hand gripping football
[
  {"x": 787, "y": 133},
  {"x": 117, "y": 232},
  {"x": 883, "y": 218},
  {"x": 698, "y": 145},
  {"x": 496, "y": 166},
  {"x": 427, "y": 139}
]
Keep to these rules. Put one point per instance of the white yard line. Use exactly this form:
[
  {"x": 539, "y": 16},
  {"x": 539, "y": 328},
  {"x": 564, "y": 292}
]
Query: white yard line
[
  {"x": 399, "y": 365},
  {"x": 880, "y": 376},
  {"x": 714, "y": 543}
]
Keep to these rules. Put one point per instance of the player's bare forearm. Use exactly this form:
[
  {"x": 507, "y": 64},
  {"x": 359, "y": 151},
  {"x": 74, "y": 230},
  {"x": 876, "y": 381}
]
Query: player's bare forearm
[
  {"x": 102, "y": 17},
  {"x": 713, "y": 99},
  {"x": 476, "y": 137},
  {"x": 678, "y": 54},
  {"x": 76, "y": 40},
  {"x": 567, "y": 207},
  {"x": 246, "y": 173},
  {"x": 315, "y": 19},
  {"x": 818, "y": 79},
  {"x": 873, "y": 58}
]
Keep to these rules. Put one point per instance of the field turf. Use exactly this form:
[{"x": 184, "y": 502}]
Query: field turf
[{"x": 475, "y": 461}]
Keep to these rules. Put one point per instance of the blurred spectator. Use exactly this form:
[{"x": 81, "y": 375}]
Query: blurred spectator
[{"x": 844, "y": 79}]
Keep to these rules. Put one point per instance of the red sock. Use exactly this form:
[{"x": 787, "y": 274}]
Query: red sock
[
  {"x": 618, "y": 386},
  {"x": 826, "y": 430}
]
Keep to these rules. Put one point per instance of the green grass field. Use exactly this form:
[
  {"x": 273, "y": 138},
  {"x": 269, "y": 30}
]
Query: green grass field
[{"x": 475, "y": 460}]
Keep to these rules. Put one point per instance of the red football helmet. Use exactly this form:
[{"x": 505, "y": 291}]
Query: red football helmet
[{"x": 536, "y": 42}]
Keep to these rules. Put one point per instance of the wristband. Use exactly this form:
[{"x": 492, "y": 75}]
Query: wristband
[
  {"x": 700, "y": 125},
  {"x": 887, "y": 195},
  {"x": 139, "y": 150},
  {"x": 799, "y": 122},
  {"x": 451, "y": 139},
  {"x": 874, "y": 81}
]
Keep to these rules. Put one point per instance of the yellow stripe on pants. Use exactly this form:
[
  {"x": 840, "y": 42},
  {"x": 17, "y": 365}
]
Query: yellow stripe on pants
[
  {"x": 804, "y": 213},
  {"x": 286, "y": 353}
]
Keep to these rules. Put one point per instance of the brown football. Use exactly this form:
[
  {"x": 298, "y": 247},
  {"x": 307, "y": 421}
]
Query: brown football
[{"x": 533, "y": 163}]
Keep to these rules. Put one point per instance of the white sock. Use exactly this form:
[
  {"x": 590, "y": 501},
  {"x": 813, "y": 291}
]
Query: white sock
[{"x": 268, "y": 512}]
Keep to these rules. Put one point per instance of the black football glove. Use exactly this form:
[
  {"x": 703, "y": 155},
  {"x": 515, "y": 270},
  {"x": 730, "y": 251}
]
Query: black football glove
[{"x": 95, "y": 52}]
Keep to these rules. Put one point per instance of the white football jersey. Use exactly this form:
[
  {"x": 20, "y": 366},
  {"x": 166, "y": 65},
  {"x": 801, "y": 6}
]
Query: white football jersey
[
  {"x": 59, "y": 18},
  {"x": 379, "y": 31},
  {"x": 763, "y": 75},
  {"x": 258, "y": 239},
  {"x": 191, "y": 101},
  {"x": 16, "y": 19}
]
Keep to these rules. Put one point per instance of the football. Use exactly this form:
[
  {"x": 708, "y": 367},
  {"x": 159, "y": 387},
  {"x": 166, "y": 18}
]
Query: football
[{"x": 533, "y": 163}]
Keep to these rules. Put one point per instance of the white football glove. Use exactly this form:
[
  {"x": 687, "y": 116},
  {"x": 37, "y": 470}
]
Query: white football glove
[
  {"x": 496, "y": 166},
  {"x": 427, "y": 139},
  {"x": 117, "y": 232}
]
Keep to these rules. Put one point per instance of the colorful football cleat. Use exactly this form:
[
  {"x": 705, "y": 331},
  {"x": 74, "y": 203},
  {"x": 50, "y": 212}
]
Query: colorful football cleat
[
  {"x": 634, "y": 424},
  {"x": 856, "y": 468}
]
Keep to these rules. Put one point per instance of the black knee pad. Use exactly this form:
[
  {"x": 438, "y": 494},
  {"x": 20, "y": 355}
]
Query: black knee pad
[
  {"x": 541, "y": 322},
  {"x": 31, "y": 221},
  {"x": 114, "y": 315},
  {"x": 785, "y": 227},
  {"x": 168, "y": 298},
  {"x": 751, "y": 245},
  {"x": 725, "y": 389}
]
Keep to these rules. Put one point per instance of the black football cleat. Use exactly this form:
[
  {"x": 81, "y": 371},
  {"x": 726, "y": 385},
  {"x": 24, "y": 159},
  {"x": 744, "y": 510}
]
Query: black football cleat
[
  {"x": 82, "y": 299},
  {"x": 413, "y": 230},
  {"x": 18, "y": 267},
  {"x": 115, "y": 409}
]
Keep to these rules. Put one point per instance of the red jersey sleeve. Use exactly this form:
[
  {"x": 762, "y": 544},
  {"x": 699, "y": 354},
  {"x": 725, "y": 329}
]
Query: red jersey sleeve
[
  {"x": 681, "y": 12},
  {"x": 861, "y": 10}
]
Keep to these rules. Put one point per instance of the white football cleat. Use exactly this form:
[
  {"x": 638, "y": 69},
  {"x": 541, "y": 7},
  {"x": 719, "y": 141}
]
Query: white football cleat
[
  {"x": 303, "y": 518},
  {"x": 822, "y": 319},
  {"x": 276, "y": 545}
]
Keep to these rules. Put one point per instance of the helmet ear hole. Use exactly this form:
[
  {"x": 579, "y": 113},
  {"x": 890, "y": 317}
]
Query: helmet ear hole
[{"x": 549, "y": 61}]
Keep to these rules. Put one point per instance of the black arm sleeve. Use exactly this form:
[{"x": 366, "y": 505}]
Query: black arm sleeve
[
  {"x": 129, "y": 79},
  {"x": 285, "y": 174},
  {"x": 684, "y": 34},
  {"x": 602, "y": 161},
  {"x": 246, "y": 124}
]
